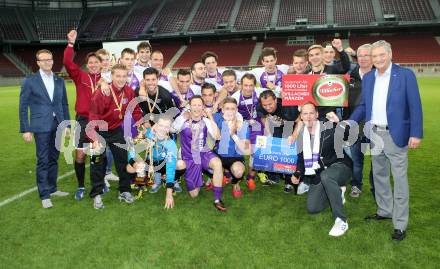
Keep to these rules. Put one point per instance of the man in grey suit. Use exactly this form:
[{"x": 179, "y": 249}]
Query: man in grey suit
[
  {"x": 44, "y": 95},
  {"x": 391, "y": 106}
]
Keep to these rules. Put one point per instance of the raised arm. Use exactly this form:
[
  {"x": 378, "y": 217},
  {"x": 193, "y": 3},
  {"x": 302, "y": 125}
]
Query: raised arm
[{"x": 72, "y": 68}]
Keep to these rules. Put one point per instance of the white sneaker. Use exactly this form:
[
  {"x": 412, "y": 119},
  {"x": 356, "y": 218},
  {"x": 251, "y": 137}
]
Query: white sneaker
[
  {"x": 107, "y": 183},
  {"x": 97, "y": 202},
  {"x": 343, "y": 189},
  {"x": 302, "y": 188},
  {"x": 47, "y": 203},
  {"x": 339, "y": 228},
  {"x": 59, "y": 193},
  {"x": 111, "y": 177}
]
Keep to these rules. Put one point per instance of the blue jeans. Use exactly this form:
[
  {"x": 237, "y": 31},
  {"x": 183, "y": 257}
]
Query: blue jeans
[
  {"x": 109, "y": 155},
  {"x": 357, "y": 157}
]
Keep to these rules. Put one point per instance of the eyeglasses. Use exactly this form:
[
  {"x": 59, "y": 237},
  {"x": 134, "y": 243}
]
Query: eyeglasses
[{"x": 45, "y": 60}]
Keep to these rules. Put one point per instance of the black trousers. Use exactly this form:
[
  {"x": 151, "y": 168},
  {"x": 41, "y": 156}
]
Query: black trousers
[{"x": 98, "y": 163}]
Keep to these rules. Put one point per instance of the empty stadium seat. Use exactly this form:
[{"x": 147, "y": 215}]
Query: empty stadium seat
[
  {"x": 254, "y": 14},
  {"x": 10, "y": 28},
  {"x": 173, "y": 15},
  {"x": 406, "y": 48},
  {"x": 348, "y": 12},
  {"x": 312, "y": 10},
  {"x": 8, "y": 69},
  {"x": 137, "y": 20},
  {"x": 230, "y": 53},
  {"x": 408, "y": 10},
  {"x": 284, "y": 51},
  {"x": 53, "y": 24},
  {"x": 103, "y": 22},
  {"x": 210, "y": 13}
]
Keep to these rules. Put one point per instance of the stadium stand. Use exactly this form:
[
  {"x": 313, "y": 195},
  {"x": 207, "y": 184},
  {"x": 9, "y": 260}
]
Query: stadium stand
[
  {"x": 254, "y": 14},
  {"x": 210, "y": 13},
  {"x": 168, "y": 49},
  {"x": 406, "y": 48},
  {"x": 103, "y": 22},
  {"x": 230, "y": 53},
  {"x": 19, "y": 25},
  {"x": 8, "y": 69},
  {"x": 53, "y": 24},
  {"x": 349, "y": 12},
  {"x": 408, "y": 10},
  {"x": 27, "y": 55},
  {"x": 10, "y": 28},
  {"x": 284, "y": 51},
  {"x": 291, "y": 10},
  {"x": 134, "y": 25},
  {"x": 173, "y": 16}
]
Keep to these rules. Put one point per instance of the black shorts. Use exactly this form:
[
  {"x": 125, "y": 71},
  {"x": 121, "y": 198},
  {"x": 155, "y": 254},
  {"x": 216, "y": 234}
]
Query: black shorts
[
  {"x": 83, "y": 139},
  {"x": 227, "y": 162}
]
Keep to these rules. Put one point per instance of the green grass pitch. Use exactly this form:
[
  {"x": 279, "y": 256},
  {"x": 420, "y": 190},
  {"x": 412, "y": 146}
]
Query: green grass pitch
[{"x": 263, "y": 229}]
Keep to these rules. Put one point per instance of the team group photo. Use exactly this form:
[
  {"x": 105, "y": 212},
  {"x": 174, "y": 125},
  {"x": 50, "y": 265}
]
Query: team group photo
[{"x": 219, "y": 134}]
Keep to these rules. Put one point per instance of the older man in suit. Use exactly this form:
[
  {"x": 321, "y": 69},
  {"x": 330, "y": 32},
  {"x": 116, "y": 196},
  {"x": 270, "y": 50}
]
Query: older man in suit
[
  {"x": 44, "y": 95},
  {"x": 391, "y": 106}
]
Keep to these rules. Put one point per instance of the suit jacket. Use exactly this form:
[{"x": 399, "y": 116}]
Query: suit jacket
[
  {"x": 328, "y": 154},
  {"x": 404, "y": 108},
  {"x": 34, "y": 97}
]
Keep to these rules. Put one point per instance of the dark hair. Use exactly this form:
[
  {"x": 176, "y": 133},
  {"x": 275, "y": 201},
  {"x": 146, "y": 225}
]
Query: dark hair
[
  {"x": 208, "y": 54},
  {"x": 144, "y": 45},
  {"x": 229, "y": 73},
  {"x": 183, "y": 72},
  {"x": 92, "y": 54},
  {"x": 196, "y": 97},
  {"x": 268, "y": 52},
  {"x": 151, "y": 71},
  {"x": 127, "y": 51},
  {"x": 194, "y": 64},
  {"x": 229, "y": 100},
  {"x": 209, "y": 86},
  {"x": 267, "y": 93},
  {"x": 250, "y": 77}
]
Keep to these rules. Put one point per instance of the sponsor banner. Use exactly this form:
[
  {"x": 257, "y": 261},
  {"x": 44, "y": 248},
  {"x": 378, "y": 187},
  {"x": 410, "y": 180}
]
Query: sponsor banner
[
  {"x": 322, "y": 90},
  {"x": 273, "y": 154}
]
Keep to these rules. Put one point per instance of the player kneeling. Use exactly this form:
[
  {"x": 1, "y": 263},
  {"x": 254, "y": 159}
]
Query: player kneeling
[
  {"x": 234, "y": 142},
  {"x": 194, "y": 128},
  {"x": 161, "y": 153}
]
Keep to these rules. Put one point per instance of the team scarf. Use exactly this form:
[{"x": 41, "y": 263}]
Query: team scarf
[{"x": 311, "y": 157}]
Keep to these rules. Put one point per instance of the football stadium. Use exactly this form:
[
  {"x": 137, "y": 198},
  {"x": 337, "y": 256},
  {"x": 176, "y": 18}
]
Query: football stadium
[{"x": 219, "y": 134}]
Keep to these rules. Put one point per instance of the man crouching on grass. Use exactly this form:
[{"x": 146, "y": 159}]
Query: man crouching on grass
[
  {"x": 194, "y": 128},
  {"x": 111, "y": 109},
  {"x": 163, "y": 157},
  {"x": 326, "y": 170}
]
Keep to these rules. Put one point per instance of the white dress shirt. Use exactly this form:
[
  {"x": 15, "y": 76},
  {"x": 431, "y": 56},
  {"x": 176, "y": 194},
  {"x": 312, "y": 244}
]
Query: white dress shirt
[
  {"x": 48, "y": 81},
  {"x": 380, "y": 95}
]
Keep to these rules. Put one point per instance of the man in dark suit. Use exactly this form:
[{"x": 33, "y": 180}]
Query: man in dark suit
[
  {"x": 391, "y": 106},
  {"x": 44, "y": 95}
]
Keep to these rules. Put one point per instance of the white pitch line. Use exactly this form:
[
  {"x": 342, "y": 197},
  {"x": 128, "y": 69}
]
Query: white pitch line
[{"x": 26, "y": 192}]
